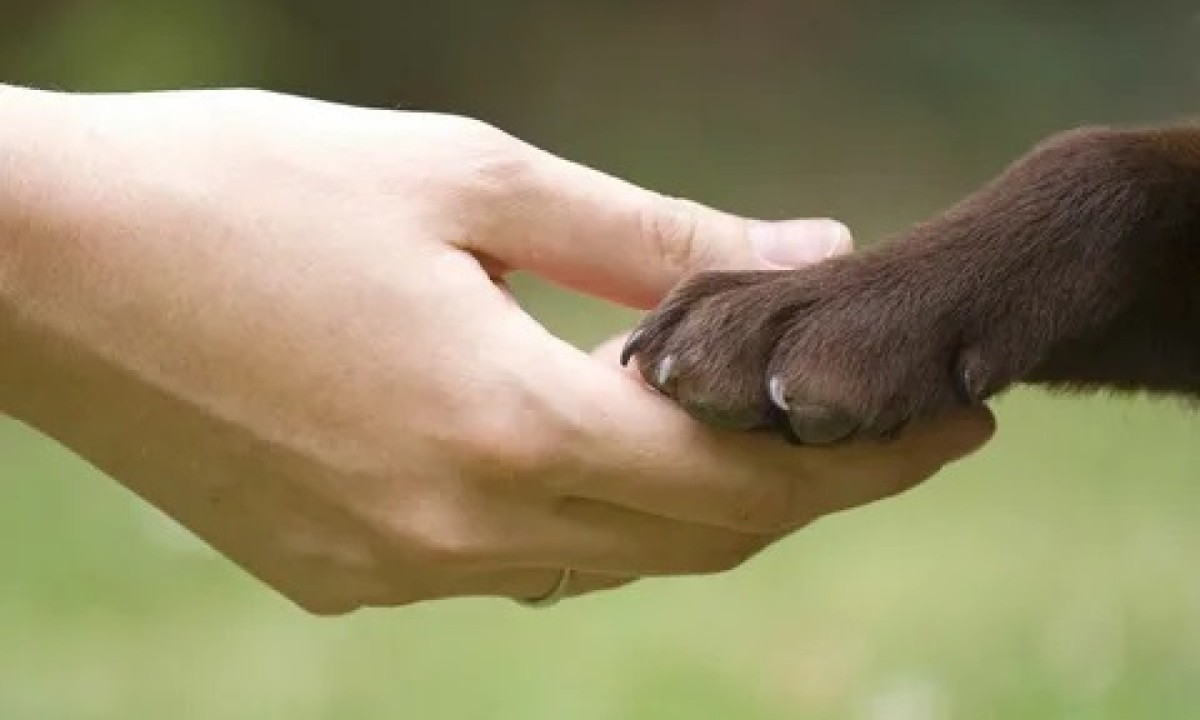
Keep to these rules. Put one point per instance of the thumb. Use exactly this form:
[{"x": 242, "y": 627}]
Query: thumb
[{"x": 604, "y": 236}]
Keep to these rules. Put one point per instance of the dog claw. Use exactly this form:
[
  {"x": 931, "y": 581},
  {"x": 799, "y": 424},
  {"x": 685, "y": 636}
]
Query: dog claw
[
  {"x": 664, "y": 373},
  {"x": 718, "y": 415},
  {"x": 777, "y": 392},
  {"x": 968, "y": 386},
  {"x": 632, "y": 345}
]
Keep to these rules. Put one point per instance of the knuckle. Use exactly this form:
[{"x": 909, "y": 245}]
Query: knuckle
[
  {"x": 488, "y": 165},
  {"x": 508, "y": 449},
  {"x": 442, "y": 534},
  {"x": 671, "y": 228}
]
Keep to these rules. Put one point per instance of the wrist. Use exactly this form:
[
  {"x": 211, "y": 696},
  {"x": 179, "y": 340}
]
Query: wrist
[{"x": 33, "y": 161}]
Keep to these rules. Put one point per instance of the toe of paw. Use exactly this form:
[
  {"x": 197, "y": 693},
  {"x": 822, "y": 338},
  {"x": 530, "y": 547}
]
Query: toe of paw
[
  {"x": 711, "y": 393},
  {"x": 809, "y": 423},
  {"x": 725, "y": 414},
  {"x": 980, "y": 373},
  {"x": 820, "y": 425}
]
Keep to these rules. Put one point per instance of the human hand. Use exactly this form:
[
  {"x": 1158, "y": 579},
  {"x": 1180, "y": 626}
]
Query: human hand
[{"x": 282, "y": 322}]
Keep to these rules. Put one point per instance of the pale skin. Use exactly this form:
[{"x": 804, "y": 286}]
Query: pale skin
[{"x": 283, "y": 323}]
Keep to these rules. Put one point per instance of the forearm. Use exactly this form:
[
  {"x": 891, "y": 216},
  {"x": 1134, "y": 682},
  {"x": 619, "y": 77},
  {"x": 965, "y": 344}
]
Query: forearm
[
  {"x": 85, "y": 295},
  {"x": 27, "y": 127},
  {"x": 59, "y": 214}
]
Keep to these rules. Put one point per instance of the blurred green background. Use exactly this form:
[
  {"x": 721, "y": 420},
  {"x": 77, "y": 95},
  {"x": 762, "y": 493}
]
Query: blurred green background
[{"x": 1051, "y": 576}]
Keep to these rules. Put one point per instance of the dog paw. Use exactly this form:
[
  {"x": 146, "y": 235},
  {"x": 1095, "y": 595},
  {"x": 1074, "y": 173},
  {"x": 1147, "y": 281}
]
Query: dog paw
[
  {"x": 855, "y": 348},
  {"x": 1052, "y": 273}
]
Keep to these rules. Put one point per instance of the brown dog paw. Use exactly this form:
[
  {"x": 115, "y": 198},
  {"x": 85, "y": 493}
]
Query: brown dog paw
[
  {"x": 846, "y": 350},
  {"x": 1072, "y": 268}
]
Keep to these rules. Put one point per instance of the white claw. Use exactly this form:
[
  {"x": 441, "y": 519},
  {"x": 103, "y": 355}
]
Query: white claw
[
  {"x": 662, "y": 374},
  {"x": 778, "y": 394}
]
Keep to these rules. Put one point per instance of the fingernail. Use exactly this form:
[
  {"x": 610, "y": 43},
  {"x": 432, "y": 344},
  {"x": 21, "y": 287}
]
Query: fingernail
[{"x": 795, "y": 243}]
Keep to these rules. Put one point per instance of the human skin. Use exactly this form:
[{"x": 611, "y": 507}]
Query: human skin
[{"x": 284, "y": 323}]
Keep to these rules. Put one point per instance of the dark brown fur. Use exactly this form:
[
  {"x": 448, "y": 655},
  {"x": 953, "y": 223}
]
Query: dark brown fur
[{"x": 1078, "y": 267}]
